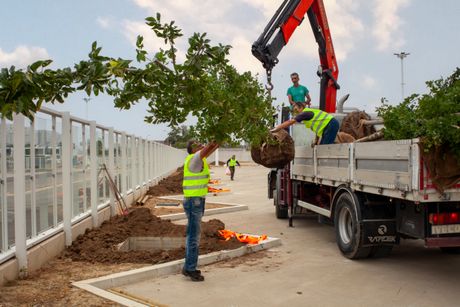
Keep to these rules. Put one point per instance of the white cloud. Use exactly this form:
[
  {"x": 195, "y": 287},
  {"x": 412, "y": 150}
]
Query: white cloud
[
  {"x": 104, "y": 22},
  {"x": 387, "y": 24},
  {"x": 217, "y": 19},
  {"x": 369, "y": 82},
  {"x": 23, "y": 56},
  {"x": 210, "y": 16}
]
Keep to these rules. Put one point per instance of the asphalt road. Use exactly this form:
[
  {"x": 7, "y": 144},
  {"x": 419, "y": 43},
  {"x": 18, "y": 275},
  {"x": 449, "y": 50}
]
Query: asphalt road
[{"x": 308, "y": 269}]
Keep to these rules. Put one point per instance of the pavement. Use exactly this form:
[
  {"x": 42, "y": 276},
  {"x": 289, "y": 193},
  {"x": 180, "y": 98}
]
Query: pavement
[{"x": 307, "y": 269}]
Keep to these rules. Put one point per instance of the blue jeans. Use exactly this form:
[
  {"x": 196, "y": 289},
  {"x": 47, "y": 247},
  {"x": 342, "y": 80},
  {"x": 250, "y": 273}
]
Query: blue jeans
[
  {"x": 330, "y": 132},
  {"x": 194, "y": 209}
]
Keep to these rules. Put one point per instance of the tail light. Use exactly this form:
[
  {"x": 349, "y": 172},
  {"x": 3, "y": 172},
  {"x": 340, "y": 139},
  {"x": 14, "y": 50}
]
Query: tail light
[{"x": 444, "y": 218}]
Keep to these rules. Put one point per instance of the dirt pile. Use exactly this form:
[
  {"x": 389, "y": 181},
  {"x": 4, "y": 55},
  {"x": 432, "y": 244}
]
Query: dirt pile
[
  {"x": 100, "y": 245},
  {"x": 275, "y": 153},
  {"x": 172, "y": 185}
]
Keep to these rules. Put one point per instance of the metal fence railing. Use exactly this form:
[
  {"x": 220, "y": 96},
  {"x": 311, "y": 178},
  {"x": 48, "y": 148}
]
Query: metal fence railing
[{"x": 50, "y": 175}]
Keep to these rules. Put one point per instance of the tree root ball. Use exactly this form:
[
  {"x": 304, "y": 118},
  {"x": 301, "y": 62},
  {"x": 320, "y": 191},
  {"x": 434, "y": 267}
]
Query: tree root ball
[{"x": 276, "y": 152}]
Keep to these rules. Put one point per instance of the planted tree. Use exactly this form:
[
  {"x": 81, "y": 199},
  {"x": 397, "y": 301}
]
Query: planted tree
[{"x": 229, "y": 106}]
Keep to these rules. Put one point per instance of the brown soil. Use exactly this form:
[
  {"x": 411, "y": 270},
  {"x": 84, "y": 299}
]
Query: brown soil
[
  {"x": 275, "y": 153},
  {"x": 95, "y": 254}
]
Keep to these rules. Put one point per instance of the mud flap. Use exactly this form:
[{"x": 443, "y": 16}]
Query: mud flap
[{"x": 379, "y": 232}]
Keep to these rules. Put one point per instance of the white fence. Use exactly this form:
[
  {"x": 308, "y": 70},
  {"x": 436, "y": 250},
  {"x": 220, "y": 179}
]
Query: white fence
[{"x": 50, "y": 175}]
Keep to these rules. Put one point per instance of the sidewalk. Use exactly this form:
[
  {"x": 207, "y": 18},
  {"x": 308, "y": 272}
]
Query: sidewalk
[{"x": 308, "y": 269}]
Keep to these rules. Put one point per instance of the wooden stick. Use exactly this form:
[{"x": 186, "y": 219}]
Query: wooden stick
[
  {"x": 371, "y": 122},
  {"x": 374, "y": 136}
]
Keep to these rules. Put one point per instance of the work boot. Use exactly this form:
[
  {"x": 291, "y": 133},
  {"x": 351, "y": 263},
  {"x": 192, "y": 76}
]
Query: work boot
[{"x": 194, "y": 275}]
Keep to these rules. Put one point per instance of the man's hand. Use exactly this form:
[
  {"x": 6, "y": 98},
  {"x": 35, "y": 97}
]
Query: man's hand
[{"x": 274, "y": 130}]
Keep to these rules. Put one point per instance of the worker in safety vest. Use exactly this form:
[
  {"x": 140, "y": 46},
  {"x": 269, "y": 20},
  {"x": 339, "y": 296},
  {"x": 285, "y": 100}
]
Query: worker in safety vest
[
  {"x": 324, "y": 125},
  {"x": 231, "y": 163},
  {"x": 195, "y": 187}
]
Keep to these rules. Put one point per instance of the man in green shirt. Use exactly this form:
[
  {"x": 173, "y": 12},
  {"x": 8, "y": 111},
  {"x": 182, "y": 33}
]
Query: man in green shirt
[{"x": 298, "y": 93}]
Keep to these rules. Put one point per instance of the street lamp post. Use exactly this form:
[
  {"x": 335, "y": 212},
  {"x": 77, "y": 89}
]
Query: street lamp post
[
  {"x": 86, "y": 99},
  {"x": 402, "y": 55}
]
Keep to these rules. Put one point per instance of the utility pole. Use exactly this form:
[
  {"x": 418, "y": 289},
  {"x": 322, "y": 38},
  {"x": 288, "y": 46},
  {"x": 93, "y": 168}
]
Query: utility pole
[
  {"x": 402, "y": 55},
  {"x": 87, "y": 99}
]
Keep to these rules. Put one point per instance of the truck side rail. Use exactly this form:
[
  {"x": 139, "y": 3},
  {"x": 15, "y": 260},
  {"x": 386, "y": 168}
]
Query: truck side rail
[{"x": 389, "y": 168}]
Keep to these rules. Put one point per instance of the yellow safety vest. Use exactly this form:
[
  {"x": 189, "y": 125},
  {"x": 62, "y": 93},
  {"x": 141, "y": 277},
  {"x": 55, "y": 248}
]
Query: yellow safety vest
[
  {"x": 232, "y": 162},
  {"x": 195, "y": 184},
  {"x": 318, "y": 122}
]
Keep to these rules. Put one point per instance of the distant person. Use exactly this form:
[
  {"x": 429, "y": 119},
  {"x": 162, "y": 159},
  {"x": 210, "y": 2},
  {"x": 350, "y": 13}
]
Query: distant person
[
  {"x": 324, "y": 125},
  {"x": 195, "y": 187},
  {"x": 298, "y": 93},
  {"x": 231, "y": 163}
]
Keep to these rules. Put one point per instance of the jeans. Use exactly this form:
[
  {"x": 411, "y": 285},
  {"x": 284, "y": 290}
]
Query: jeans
[
  {"x": 330, "y": 132},
  {"x": 232, "y": 172},
  {"x": 194, "y": 209}
]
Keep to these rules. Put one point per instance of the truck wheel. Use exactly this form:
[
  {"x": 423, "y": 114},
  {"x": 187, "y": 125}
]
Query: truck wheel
[
  {"x": 281, "y": 211},
  {"x": 348, "y": 230}
]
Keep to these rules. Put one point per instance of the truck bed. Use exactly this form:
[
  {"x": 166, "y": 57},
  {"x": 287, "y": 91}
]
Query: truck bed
[{"x": 389, "y": 168}]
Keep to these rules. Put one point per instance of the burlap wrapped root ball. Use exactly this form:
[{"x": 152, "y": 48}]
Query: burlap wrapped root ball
[{"x": 276, "y": 152}]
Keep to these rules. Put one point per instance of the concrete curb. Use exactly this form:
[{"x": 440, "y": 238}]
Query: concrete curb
[
  {"x": 180, "y": 216},
  {"x": 207, "y": 212},
  {"x": 101, "y": 286}
]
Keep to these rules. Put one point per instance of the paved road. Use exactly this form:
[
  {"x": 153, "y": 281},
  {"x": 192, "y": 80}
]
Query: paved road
[{"x": 308, "y": 269}]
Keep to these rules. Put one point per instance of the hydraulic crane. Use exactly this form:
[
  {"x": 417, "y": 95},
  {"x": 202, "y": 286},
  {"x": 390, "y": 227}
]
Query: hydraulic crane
[{"x": 278, "y": 32}]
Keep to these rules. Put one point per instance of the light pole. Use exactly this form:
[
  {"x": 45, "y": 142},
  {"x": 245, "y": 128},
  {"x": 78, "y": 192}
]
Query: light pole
[
  {"x": 402, "y": 55},
  {"x": 86, "y": 99}
]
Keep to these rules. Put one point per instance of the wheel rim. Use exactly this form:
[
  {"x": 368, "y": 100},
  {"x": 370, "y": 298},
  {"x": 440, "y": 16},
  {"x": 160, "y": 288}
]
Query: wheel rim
[{"x": 345, "y": 225}]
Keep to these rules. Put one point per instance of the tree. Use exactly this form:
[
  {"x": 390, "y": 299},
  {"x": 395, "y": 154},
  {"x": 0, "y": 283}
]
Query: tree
[
  {"x": 433, "y": 117},
  {"x": 229, "y": 106},
  {"x": 179, "y": 136}
]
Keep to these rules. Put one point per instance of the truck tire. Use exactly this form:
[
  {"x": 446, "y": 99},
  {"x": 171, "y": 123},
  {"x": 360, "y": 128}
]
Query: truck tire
[
  {"x": 281, "y": 211},
  {"x": 348, "y": 230}
]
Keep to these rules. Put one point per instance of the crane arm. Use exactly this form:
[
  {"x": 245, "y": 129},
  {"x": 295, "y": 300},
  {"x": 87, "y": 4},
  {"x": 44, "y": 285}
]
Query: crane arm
[{"x": 280, "y": 29}]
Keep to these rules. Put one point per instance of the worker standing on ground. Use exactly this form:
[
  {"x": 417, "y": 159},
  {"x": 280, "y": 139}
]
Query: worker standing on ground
[
  {"x": 297, "y": 92},
  {"x": 195, "y": 187},
  {"x": 324, "y": 125},
  {"x": 231, "y": 163}
]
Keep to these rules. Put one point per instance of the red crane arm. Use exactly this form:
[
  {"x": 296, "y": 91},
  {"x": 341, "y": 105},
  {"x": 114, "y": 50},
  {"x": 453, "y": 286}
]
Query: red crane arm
[{"x": 285, "y": 21}]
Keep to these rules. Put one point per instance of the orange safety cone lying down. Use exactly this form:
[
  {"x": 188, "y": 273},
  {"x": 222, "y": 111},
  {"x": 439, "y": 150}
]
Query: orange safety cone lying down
[
  {"x": 228, "y": 234},
  {"x": 217, "y": 190}
]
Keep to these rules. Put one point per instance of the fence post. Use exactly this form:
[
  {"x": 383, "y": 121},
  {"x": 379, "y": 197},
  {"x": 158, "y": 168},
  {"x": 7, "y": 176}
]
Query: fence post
[
  {"x": 124, "y": 174},
  {"x": 93, "y": 171},
  {"x": 19, "y": 194},
  {"x": 3, "y": 186},
  {"x": 112, "y": 171},
  {"x": 66, "y": 157}
]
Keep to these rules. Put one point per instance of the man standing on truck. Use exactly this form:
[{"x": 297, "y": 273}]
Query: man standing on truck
[
  {"x": 297, "y": 92},
  {"x": 324, "y": 125},
  {"x": 195, "y": 187}
]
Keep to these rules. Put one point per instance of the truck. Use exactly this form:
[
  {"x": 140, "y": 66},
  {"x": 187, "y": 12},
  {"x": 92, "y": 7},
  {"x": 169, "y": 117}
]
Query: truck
[{"x": 373, "y": 193}]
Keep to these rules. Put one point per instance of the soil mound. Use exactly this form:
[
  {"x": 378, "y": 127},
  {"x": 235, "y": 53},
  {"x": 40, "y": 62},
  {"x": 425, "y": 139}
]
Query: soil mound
[
  {"x": 100, "y": 245},
  {"x": 276, "y": 152},
  {"x": 172, "y": 185}
]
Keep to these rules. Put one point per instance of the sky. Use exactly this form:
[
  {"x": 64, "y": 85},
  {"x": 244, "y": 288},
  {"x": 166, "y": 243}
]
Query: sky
[{"x": 365, "y": 34}]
